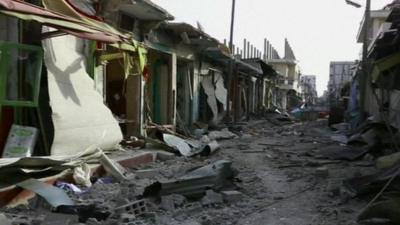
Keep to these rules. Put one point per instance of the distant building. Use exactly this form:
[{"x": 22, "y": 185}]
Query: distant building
[
  {"x": 288, "y": 68},
  {"x": 308, "y": 84},
  {"x": 341, "y": 74}
]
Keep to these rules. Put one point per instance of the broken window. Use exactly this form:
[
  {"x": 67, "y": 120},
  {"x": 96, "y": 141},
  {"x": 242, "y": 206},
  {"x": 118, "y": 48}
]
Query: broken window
[{"x": 20, "y": 72}]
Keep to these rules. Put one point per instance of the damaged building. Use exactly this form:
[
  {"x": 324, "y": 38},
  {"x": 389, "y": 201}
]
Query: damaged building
[{"x": 112, "y": 112}]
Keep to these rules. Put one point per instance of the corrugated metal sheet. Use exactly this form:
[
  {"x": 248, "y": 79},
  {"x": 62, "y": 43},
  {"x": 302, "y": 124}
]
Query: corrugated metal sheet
[{"x": 93, "y": 30}]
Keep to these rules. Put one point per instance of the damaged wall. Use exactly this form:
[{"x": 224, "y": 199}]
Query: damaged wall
[
  {"x": 212, "y": 82},
  {"x": 79, "y": 116}
]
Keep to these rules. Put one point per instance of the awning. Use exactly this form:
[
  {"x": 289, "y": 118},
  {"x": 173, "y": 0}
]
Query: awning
[
  {"x": 62, "y": 7},
  {"x": 267, "y": 69},
  {"x": 89, "y": 30},
  {"x": 247, "y": 68},
  {"x": 158, "y": 47}
]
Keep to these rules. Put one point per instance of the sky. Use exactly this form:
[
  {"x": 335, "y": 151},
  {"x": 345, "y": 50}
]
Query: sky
[{"x": 319, "y": 31}]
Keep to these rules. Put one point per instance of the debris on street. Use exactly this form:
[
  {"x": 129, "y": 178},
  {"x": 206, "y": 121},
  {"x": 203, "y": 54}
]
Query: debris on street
[{"x": 114, "y": 113}]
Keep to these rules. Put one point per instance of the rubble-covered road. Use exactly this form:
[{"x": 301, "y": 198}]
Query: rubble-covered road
[
  {"x": 280, "y": 178},
  {"x": 283, "y": 181}
]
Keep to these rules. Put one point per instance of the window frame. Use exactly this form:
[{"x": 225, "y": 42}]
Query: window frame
[{"x": 5, "y": 62}]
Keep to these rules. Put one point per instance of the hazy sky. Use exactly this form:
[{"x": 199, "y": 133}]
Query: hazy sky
[{"x": 319, "y": 31}]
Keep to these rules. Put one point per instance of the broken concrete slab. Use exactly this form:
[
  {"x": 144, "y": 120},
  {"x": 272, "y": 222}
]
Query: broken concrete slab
[
  {"x": 196, "y": 182},
  {"x": 113, "y": 168},
  {"x": 232, "y": 196}
]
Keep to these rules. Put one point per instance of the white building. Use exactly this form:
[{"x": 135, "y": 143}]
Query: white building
[
  {"x": 308, "y": 84},
  {"x": 377, "y": 24},
  {"x": 288, "y": 68}
]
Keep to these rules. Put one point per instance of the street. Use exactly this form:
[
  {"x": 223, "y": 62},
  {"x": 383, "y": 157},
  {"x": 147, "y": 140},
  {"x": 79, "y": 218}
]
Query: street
[{"x": 279, "y": 177}]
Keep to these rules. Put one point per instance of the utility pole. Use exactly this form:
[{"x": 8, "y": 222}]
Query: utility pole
[
  {"x": 231, "y": 62},
  {"x": 363, "y": 79}
]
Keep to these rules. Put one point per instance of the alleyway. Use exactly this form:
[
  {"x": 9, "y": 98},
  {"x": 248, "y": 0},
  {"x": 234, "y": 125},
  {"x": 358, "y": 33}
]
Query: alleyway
[{"x": 279, "y": 178}]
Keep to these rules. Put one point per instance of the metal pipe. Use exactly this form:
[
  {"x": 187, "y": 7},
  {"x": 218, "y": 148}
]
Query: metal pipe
[{"x": 228, "y": 111}]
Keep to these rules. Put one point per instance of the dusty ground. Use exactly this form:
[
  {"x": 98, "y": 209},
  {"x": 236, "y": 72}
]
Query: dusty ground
[{"x": 277, "y": 174}]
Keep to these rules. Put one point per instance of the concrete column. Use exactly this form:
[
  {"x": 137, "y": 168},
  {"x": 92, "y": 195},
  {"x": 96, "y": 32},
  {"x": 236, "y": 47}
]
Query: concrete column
[
  {"x": 245, "y": 49},
  {"x": 248, "y": 49},
  {"x": 265, "y": 49}
]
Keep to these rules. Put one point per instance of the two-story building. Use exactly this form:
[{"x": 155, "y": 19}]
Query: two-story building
[{"x": 288, "y": 95}]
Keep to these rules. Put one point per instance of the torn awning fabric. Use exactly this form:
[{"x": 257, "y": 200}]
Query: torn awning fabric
[{"x": 80, "y": 28}]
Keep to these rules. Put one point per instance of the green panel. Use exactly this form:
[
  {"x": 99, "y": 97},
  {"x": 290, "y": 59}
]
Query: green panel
[
  {"x": 91, "y": 59},
  {"x": 26, "y": 74}
]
